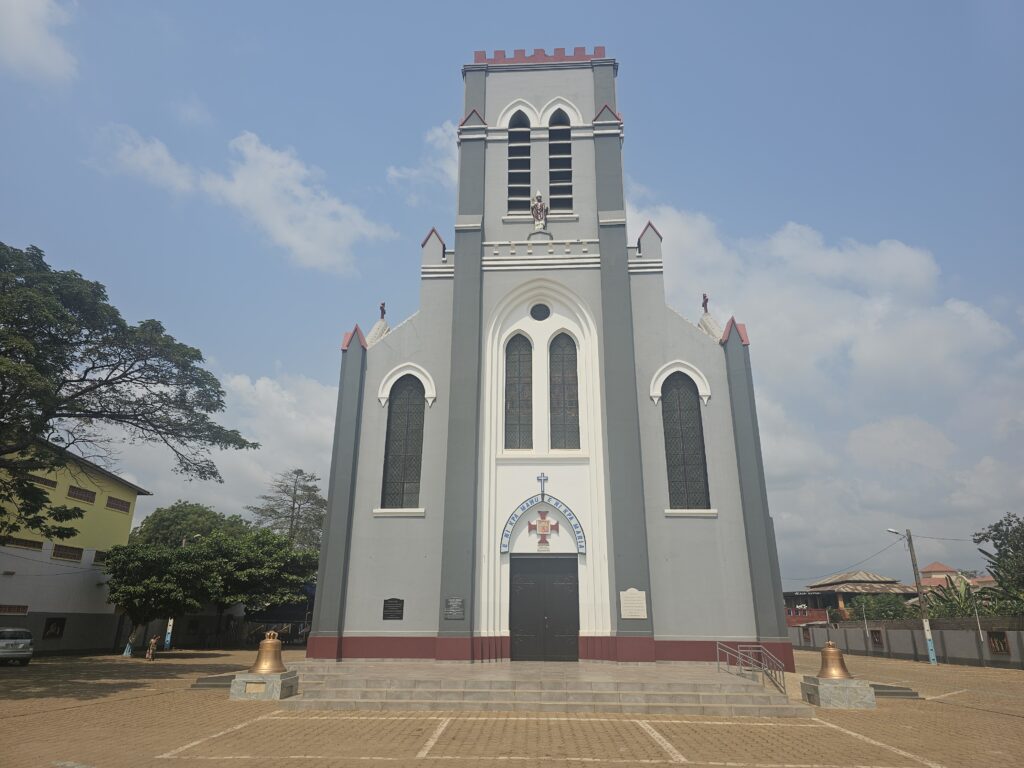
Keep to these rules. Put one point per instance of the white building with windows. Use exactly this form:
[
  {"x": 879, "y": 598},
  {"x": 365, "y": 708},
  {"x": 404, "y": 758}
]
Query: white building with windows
[{"x": 545, "y": 462}]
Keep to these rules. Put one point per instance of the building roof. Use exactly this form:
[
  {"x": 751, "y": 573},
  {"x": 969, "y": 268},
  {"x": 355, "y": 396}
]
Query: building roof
[
  {"x": 93, "y": 467},
  {"x": 937, "y": 566},
  {"x": 854, "y": 577}
]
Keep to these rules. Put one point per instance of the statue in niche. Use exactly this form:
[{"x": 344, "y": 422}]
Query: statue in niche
[{"x": 539, "y": 209}]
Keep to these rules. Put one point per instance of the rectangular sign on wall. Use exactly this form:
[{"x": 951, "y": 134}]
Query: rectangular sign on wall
[{"x": 633, "y": 604}]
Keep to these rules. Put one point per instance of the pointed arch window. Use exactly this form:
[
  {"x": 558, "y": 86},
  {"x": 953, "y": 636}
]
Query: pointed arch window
[
  {"x": 519, "y": 393},
  {"x": 564, "y": 394},
  {"x": 559, "y": 162},
  {"x": 684, "y": 444},
  {"x": 403, "y": 445},
  {"x": 519, "y": 163}
]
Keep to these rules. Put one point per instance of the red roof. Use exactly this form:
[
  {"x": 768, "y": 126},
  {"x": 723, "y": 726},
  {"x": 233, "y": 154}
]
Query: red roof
[{"x": 937, "y": 566}]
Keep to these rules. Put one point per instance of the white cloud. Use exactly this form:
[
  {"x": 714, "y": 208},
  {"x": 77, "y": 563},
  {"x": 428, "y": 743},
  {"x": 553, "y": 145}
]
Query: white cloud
[
  {"x": 292, "y": 417},
  {"x": 281, "y": 195},
  {"x": 894, "y": 444},
  {"x": 274, "y": 190},
  {"x": 29, "y": 46},
  {"x": 191, "y": 111},
  {"x": 881, "y": 400},
  {"x": 439, "y": 166},
  {"x": 149, "y": 159}
]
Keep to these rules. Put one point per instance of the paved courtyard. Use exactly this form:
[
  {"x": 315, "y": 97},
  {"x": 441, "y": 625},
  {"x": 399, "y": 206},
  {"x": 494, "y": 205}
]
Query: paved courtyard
[{"x": 108, "y": 712}]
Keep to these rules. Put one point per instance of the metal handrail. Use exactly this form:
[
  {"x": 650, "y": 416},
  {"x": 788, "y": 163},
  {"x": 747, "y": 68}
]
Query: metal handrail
[{"x": 750, "y": 657}]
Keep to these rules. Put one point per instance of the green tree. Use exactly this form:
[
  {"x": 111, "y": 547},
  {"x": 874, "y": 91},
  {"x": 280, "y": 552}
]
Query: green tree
[
  {"x": 184, "y": 521},
  {"x": 293, "y": 508},
  {"x": 153, "y": 581},
  {"x": 72, "y": 370},
  {"x": 877, "y": 607},
  {"x": 1006, "y": 558},
  {"x": 954, "y": 599}
]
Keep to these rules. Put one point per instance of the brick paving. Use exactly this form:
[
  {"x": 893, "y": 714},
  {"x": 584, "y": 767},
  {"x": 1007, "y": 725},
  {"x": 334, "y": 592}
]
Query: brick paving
[{"x": 109, "y": 712}]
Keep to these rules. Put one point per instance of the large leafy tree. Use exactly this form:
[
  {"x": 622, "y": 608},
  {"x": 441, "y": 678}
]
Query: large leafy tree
[
  {"x": 152, "y": 581},
  {"x": 73, "y": 372},
  {"x": 185, "y": 521},
  {"x": 884, "y": 606},
  {"x": 293, "y": 507},
  {"x": 257, "y": 568},
  {"x": 1005, "y": 557}
]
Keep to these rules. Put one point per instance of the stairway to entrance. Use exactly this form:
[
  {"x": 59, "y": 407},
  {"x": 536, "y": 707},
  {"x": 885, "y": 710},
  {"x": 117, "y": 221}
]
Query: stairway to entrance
[{"x": 673, "y": 689}]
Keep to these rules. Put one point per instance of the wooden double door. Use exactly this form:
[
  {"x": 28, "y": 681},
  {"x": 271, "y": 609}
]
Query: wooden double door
[{"x": 544, "y": 609}]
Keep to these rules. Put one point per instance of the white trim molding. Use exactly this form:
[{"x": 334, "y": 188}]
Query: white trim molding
[
  {"x": 559, "y": 102},
  {"x": 681, "y": 366},
  {"x": 429, "y": 390},
  {"x": 518, "y": 104},
  {"x": 399, "y": 512},
  {"x": 691, "y": 513}
]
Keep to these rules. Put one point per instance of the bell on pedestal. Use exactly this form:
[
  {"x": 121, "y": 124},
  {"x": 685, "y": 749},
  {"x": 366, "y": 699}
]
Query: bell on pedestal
[
  {"x": 268, "y": 659},
  {"x": 832, "y": 665}
]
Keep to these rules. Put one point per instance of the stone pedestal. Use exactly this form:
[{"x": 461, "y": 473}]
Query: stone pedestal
[
  {"x": 247, "y": 685},
  {"x": 837, "y": 694}
]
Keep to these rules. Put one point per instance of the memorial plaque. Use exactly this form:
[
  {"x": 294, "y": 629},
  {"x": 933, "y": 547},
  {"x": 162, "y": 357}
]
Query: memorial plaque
[
  {"x": 455, "y": 608},
  {"x": 394, "y": 609},
  {"x": 632, "y": 604}
]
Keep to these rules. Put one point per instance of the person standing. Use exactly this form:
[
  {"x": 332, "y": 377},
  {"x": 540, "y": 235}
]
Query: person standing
[{"x": 151, "y": 648}]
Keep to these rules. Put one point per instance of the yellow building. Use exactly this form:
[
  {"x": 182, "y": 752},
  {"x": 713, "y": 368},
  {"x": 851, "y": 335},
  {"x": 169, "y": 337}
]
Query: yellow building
[{"x": 57, "y": 589}]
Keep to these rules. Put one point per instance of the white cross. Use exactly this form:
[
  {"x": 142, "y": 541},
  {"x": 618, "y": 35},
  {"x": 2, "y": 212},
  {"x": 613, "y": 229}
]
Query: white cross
[{"x": 542, "y": 478}]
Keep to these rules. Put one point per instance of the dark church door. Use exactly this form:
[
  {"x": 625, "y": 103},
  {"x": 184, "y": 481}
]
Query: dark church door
[{"x": 544, "y": 612}]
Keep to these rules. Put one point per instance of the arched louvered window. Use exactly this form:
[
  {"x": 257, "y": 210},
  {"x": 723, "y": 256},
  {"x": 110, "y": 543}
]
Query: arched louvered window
[
  {"x": 565, "y": 397},
  {"x": 519, "y": 393},
  {"x": 559, "y": 162},
  {"x": 684, "y": 444},
  {"x": 519, "y": 163},
  {"x": 403, "y": 446}
]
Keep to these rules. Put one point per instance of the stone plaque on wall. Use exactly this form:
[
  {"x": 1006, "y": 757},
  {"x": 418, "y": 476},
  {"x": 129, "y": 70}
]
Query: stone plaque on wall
[
  {"x": 455, "y": 608},
  {"x": 632, "y": 604}
]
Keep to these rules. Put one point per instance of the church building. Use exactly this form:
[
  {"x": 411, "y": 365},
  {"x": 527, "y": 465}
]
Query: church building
[{"x": 546, "y": 462}]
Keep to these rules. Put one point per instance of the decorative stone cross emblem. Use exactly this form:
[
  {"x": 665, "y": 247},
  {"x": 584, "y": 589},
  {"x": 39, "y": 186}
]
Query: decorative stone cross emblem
[
  {"x": 542, "y": 478},
  {"x": 544, "y": 528}
]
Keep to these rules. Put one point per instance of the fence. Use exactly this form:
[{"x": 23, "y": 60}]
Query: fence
[{"x": 995, "y": 647}]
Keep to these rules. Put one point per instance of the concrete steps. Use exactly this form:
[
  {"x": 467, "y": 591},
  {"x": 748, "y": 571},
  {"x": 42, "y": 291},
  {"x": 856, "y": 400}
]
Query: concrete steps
[
  {"x": 729, "y": 697},
  {"x": 214, "y": 681}
]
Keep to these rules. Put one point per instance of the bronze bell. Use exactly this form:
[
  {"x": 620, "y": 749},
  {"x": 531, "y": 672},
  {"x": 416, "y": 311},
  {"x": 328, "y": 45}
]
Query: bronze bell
[
  {"x": 268, "y": 659},
  {"x": 832, "y": 665}
]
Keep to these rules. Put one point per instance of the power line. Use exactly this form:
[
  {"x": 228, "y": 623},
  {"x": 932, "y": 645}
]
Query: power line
[
  {"x": 943, "y": 538},
  {"x": 840, "y": 570},
  {"x": 52, "y": 562}
]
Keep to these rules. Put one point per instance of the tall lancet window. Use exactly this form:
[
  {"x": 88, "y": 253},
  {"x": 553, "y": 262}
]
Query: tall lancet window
[
  {"x": 565, "y": 397},
  {"x": 403, "y": 446},
  {"x": 559, "y": 162},
  {"x": 684, "y": 444},
  {"x": 519, "y": 163},
  {"x": 519, "y": 393}
]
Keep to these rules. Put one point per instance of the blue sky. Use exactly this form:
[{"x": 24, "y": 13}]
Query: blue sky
[{"x": 846, "y": 179}]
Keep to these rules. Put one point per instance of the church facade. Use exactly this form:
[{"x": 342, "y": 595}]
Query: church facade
[{"x": 545, "y": 462}]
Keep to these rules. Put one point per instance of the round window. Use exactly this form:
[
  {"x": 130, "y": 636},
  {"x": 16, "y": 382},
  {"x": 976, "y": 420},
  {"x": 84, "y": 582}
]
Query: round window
[{"x": 540, "y": 312}]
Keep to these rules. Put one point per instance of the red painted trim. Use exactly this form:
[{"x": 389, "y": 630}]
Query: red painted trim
[
  {"x": 612, "y": 112},
  {"x": 471, "y": 113},
  {"x": 454, "y": 649},
  {"x": 625, "y": 649},
  {"x": 433, "y": 231},
  {"x": 356, "y": 332},
  {"x": 389, "y": 647},
  {"x": 741, "y": 329},
  {"x": 539, "y": 56},
  {"x": 650, "y": 225},
  {"x": 323, "y": 648}
]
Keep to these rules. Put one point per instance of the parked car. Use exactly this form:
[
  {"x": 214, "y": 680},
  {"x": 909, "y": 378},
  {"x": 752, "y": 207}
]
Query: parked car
[{"x": 15, "y": 645}]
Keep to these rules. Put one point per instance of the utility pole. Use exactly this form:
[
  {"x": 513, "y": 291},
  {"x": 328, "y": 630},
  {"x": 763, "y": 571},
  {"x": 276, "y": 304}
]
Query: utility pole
[{"x": 921, "y": 601}]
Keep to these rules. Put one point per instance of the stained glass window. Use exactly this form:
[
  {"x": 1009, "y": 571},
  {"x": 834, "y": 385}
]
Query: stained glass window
[
  {"x": 565, "y": 398},
  {"x": 403, "y": 448},
  {"x": 519, "y": 393},
  {"x": 684, "y": 444}
]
